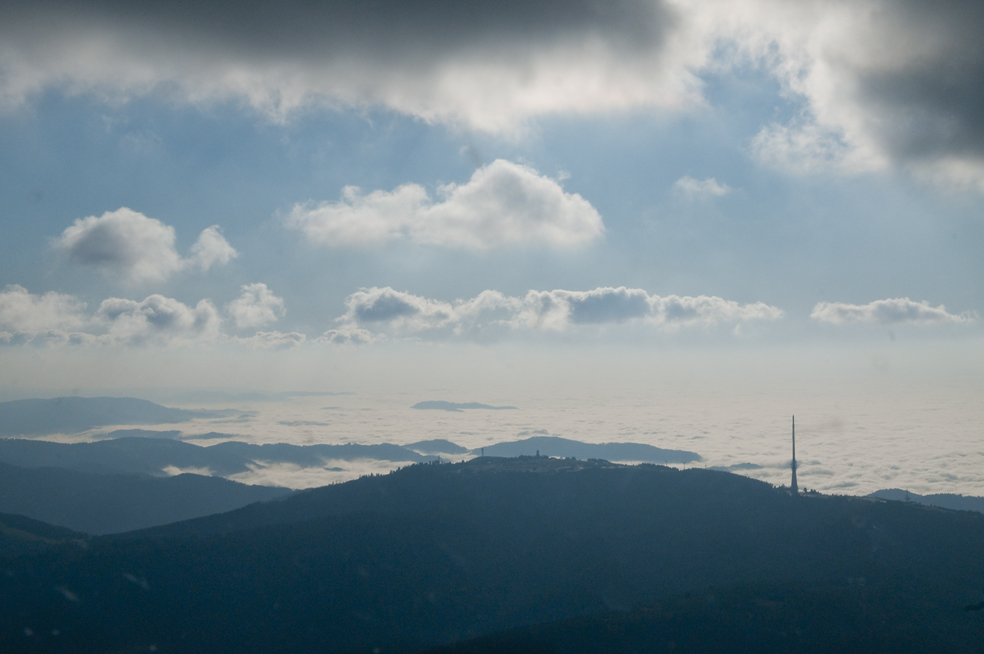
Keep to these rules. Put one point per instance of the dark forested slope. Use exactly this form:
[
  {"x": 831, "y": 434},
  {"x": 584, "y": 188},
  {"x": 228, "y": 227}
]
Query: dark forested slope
[
  {"x": 775, "y": 618},
  {"x": 104, "y": 504},
  {"x": 435, "y": 554},
  {"x": 20, "y": 534}
]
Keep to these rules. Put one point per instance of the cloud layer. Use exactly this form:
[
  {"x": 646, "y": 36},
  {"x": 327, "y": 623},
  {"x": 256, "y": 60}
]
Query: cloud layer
[
  {"x": 886, "y": 312},
  {"x": 136, "y": 249},
  {"x": 380, "y": 313},
  {"x": 503, "y": 204},
  {"x": 881, "y": 82},
  {"x": 485, "y": 65},
  {"x": 384, "y": 311},
  {"x": 371, "y": 314},
  {"x": 57, "y": 318}
]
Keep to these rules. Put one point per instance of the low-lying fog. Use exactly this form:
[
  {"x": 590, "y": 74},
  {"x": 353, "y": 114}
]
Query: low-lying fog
[{"x": 863, "y": 423}]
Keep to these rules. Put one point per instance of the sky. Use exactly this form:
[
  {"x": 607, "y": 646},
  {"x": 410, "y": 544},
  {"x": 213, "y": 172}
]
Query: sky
[{"x": 354, "y": 196}]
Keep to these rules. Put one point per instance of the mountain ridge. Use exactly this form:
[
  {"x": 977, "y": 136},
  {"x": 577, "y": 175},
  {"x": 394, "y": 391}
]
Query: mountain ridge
[
  {"x": 434, "y": 554},
  {"x": 73, "y": 414}
]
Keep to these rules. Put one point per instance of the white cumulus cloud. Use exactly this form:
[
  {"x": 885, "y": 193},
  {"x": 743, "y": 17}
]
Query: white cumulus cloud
[
  {"x": 58, "y": 318},
  {"x": 503, "y": 204},
  {"x": 396, "y": 310},
  {"x": 560, "y": 309},
  {"x": 158, "y": 318},
  {"x": 211, "y": 248},
  {"x": 699, "y": 187},
  {"x": 256, "y": 306},
  {"x": 675, "y": 310},
  {"x": 24, "y": 312},
  {"x": 123, "y": 242},
  {"x": 136, "y": 249},
  {"x": 347, "y": 335},
  {"x": 385, "y": 310},
  {"x": 886, "y": 312},
  {"x": 61, "y": 319}
]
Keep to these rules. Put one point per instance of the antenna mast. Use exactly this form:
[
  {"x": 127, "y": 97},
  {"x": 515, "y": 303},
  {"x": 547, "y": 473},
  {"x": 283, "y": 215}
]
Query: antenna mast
[{"x": 793, "y": 488}]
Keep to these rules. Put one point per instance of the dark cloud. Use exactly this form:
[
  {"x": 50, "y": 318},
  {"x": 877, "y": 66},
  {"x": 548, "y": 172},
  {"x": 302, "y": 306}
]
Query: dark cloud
[
  {"x": 930, "y": 105},
  {"x": 929, "y": 113},
  {"x": 386, "y": 29},
  {"x": 884, "y": 82},
  {"x": 490, "y": 66}
]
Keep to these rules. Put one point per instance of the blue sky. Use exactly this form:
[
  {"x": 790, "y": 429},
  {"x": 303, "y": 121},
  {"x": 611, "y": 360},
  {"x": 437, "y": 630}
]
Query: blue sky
[{"x": 662, "y": 174}]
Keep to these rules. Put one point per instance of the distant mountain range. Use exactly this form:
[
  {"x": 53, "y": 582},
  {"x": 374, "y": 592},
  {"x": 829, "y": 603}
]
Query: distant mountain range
[
  {"x": 120, "y": 484},
  {"x": 119, "y": 452},
  {"x": 531, "y": 554},
  {"x": 437, "y": 446},
  {"x": 563, "y": 447},
  {"x": 70, "y": 415},
  {"x": 943, "y": 500},
  {"x": 219, "y": 396},
  {"x": 441, "y": 405},
  {"x": 150, "y": 456},
  {"x": 143, "y": 433}
]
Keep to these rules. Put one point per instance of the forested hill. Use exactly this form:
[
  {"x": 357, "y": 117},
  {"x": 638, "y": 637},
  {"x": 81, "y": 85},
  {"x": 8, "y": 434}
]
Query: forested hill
[
  {"x": 19, "y": 534},
  {"x": 105, "y": 504},
  {"x": 462, "y": 491},
  {"x": 435, "y": 554}
]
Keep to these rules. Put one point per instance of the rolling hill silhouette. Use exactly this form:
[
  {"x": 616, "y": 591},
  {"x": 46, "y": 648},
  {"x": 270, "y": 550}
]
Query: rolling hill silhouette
[
  {"x": 436, "y": 446},
  {"x": 149, "y": 456},
  {"x": 563, "y": 447},
  {"x": 435, "y": 554},
  {"x": 104, "y": 504},
  {"x": 20, "y": 535},
  {"x": 70, "y": 415},
  {"x": 441, "y": 405},
  {"x": 943, "y": 500}
]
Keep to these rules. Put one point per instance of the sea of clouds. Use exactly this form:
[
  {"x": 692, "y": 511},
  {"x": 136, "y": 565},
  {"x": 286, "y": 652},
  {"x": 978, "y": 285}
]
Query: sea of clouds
[{"x": 852, "y": 438}]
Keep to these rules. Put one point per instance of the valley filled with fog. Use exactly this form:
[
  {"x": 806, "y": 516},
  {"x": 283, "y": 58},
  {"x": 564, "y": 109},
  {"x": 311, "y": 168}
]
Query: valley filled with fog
[
  {"x": 852, "y": 437},
  {"x": 923, "y": 439}
]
